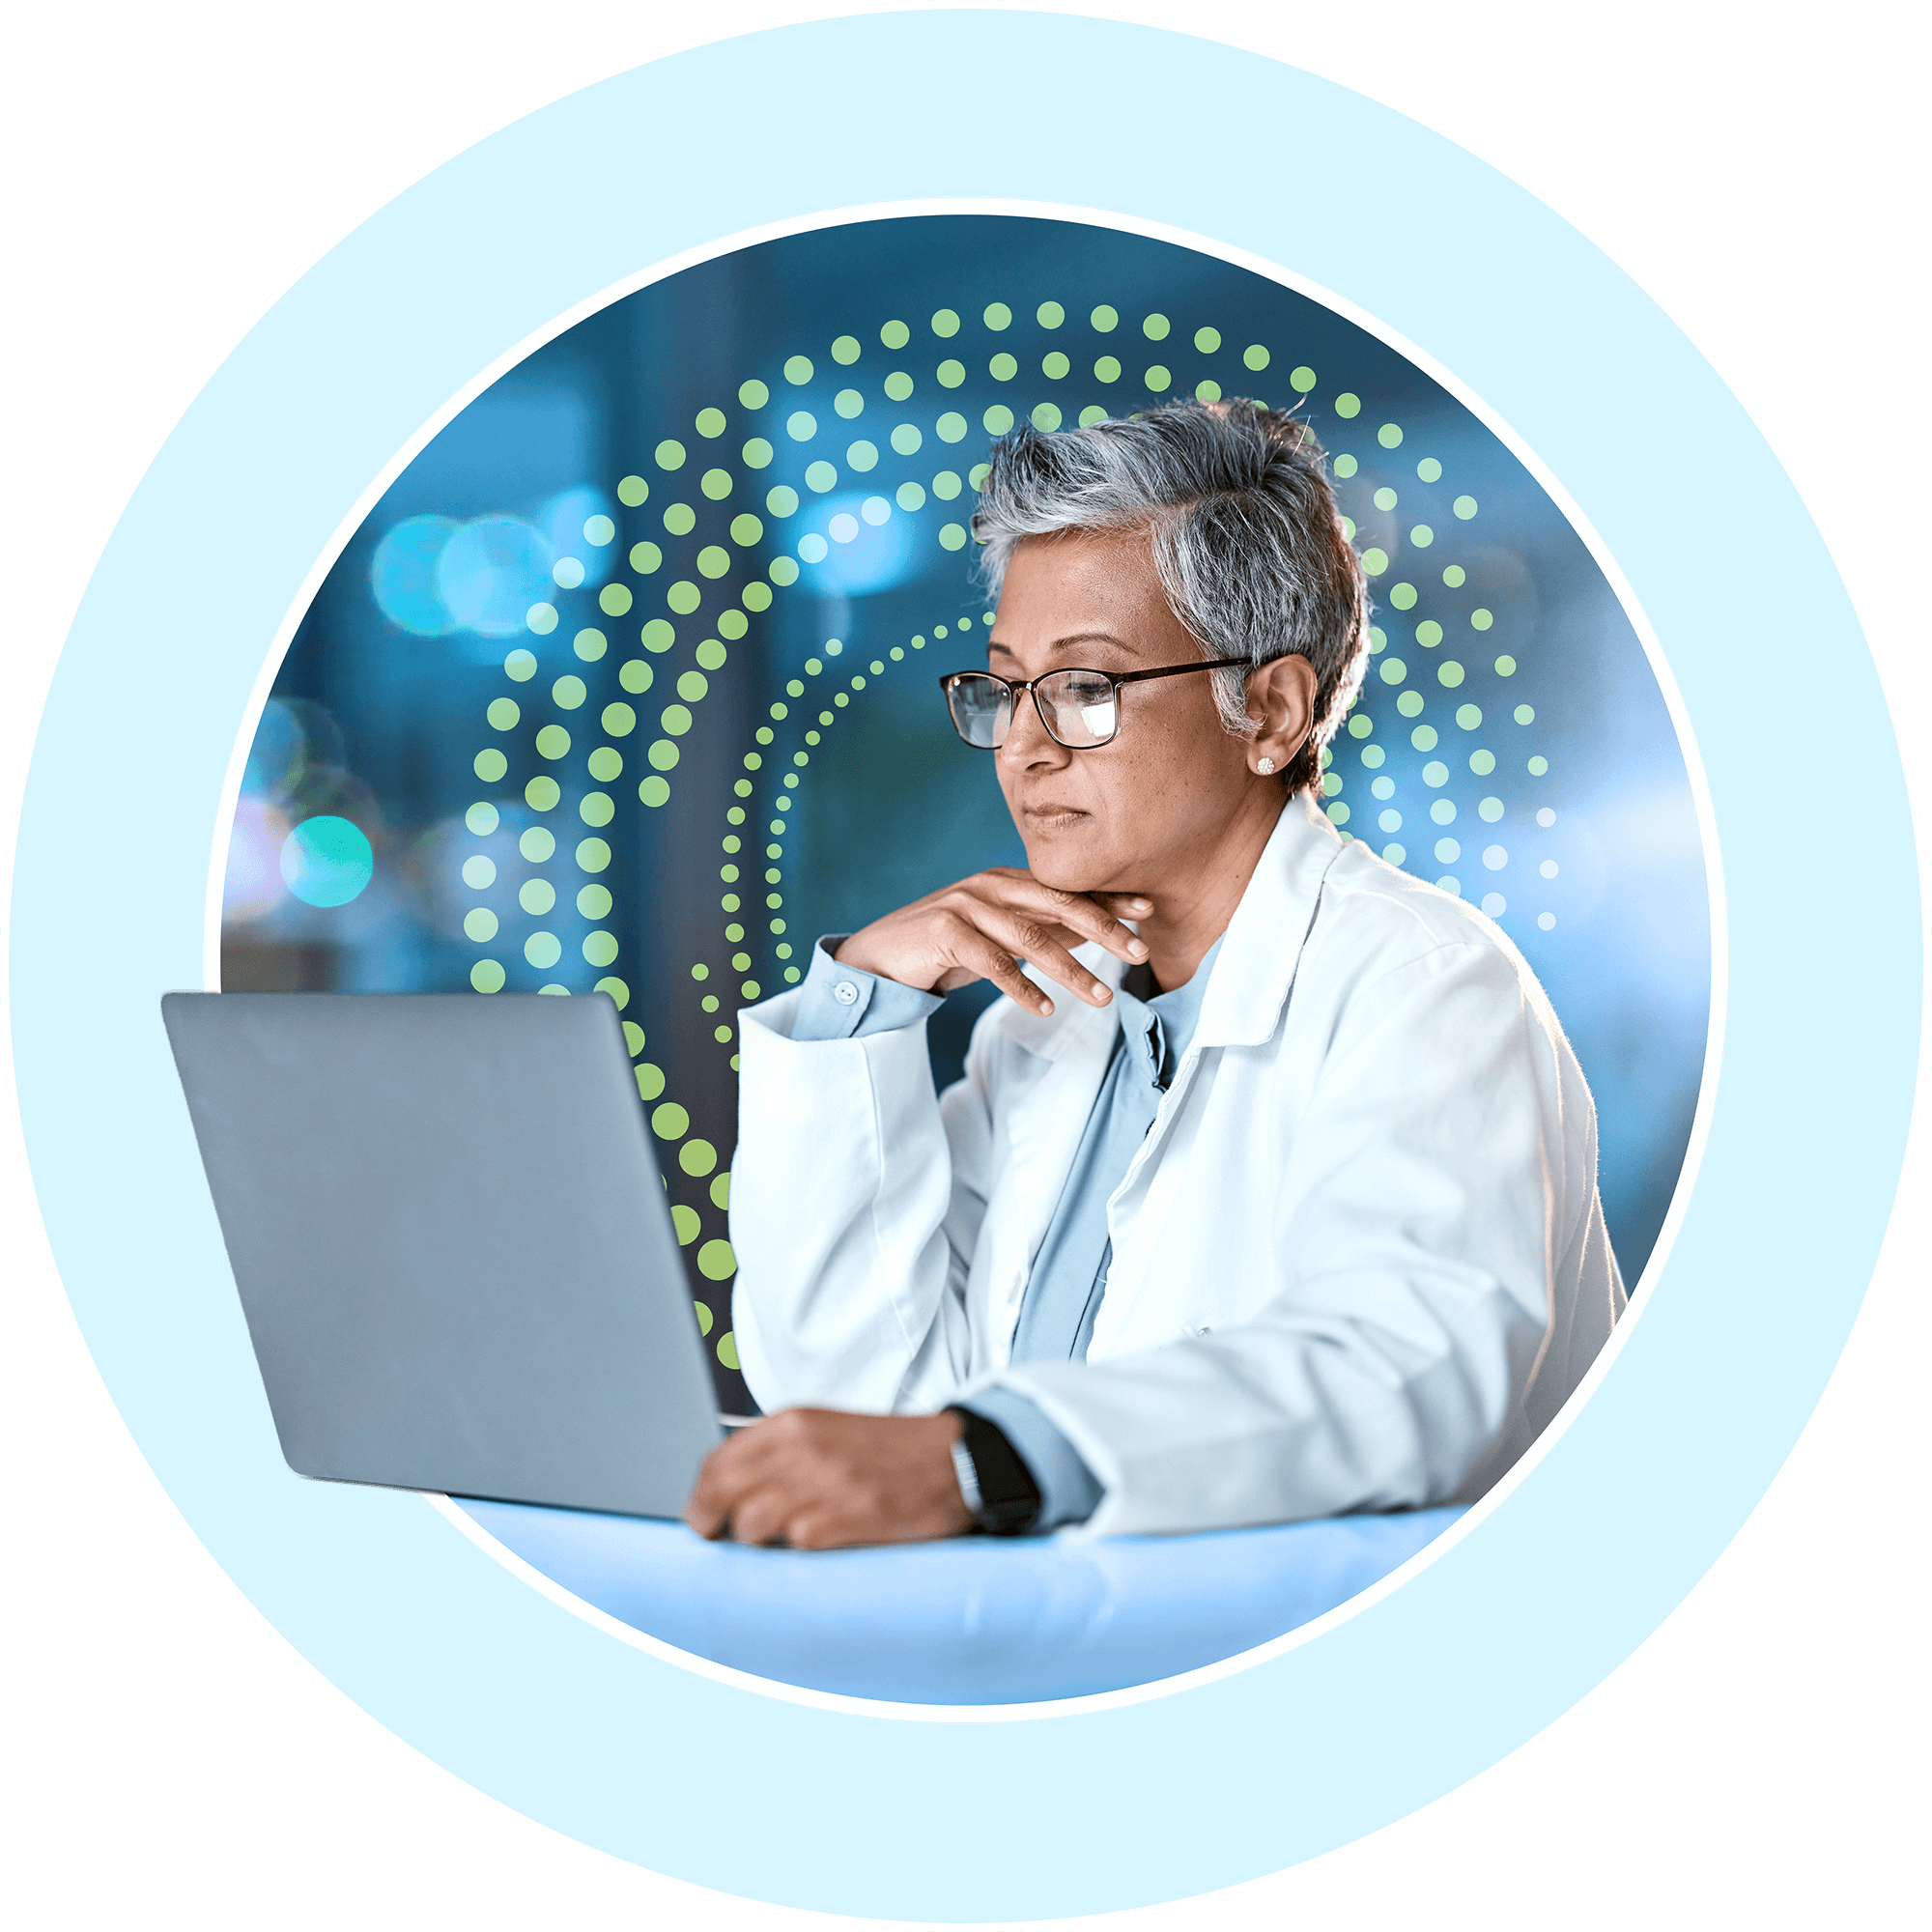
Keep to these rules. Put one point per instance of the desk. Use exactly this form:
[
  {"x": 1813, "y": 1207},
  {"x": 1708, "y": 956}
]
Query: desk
[{"x": 978, "y": 1620}]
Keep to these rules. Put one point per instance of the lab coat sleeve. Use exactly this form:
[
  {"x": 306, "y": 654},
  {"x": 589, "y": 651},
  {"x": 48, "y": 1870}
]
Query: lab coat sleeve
[
  {"x": 856, "y": 1200},
  {"x": 1441, "y": 1187}
]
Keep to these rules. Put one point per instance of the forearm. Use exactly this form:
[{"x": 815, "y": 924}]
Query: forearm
[
  {"x": 841, "y": 1186},
  {"x": 1428, "y": 1216},
  {"x": 1289, "y": 1419},
  {"x": 1402, "y": 1282}
]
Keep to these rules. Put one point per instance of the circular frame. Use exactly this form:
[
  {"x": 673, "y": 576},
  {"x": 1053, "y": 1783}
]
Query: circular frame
[{"x": 1306, "y": 1748}]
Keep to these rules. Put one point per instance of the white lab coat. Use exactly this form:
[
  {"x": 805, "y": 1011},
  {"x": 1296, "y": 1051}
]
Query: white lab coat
[{"x": 1359, "y": 1261}]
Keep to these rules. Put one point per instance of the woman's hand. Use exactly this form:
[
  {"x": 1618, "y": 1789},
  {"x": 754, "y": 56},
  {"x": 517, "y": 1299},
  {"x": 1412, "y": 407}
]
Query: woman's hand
[
  {"x": 983, "y": 927},
  {"x": 819, "y": 1478}
]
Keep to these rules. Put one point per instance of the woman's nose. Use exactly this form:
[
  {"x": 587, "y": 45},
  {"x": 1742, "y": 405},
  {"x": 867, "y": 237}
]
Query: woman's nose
[{"x": 1028, "y": 741}]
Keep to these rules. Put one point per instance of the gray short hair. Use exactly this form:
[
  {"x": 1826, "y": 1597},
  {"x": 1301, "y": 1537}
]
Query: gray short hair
[{"x": 1245, "y": 534}]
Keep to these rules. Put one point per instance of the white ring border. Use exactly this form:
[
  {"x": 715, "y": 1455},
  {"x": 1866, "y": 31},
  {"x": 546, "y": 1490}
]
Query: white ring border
[
  {"x": 1925, "y": 909},
  {"x": 1700, "y": 1125}
]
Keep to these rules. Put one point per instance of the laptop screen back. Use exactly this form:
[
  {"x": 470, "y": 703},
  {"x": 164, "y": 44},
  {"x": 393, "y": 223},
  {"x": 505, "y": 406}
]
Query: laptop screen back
[{"x": 451, "y": 1241}]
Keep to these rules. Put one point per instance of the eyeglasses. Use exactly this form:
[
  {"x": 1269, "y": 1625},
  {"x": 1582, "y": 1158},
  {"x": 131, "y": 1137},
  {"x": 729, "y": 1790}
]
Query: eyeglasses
[{"x": 1081, "y": 709}]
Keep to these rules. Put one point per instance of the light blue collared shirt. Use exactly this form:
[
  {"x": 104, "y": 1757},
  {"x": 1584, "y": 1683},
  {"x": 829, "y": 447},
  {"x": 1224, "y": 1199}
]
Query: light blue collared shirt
[{"x": 1069, "y": 1273}]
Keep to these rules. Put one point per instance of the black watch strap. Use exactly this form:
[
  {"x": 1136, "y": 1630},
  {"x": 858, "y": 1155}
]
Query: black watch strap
[{"x": 1003, "y": 1495}]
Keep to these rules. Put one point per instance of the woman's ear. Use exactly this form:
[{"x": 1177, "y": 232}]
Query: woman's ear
[{"x": 1281, "y": 700}]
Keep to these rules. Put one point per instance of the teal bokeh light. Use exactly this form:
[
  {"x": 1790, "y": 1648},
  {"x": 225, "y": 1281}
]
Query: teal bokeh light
[
  {"x": 402, "y": 575},
  {"x": 490, "y": 572},
  {"x": 326, "y": 860}
]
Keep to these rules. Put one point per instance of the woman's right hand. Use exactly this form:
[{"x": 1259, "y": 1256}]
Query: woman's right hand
[{"x": 983, "y": 927}]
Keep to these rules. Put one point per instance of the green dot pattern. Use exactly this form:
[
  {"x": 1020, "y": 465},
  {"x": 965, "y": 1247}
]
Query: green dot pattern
[{"x": 706, "y": 568}]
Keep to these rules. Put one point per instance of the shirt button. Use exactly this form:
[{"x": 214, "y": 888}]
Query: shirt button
[{"x": 845, "y": 993}]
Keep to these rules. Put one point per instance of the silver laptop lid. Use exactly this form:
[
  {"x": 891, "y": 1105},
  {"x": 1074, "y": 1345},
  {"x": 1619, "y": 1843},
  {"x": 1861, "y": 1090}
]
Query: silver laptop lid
[{"x": 451, "y": 1241}]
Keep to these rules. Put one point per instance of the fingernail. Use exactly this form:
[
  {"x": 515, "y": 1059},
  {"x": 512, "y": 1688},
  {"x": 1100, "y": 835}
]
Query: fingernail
[
  {"x": 1137, "y": 945},
  {"x": 1101, "y": 993},
  {"x": 1047, "y": 1006}
]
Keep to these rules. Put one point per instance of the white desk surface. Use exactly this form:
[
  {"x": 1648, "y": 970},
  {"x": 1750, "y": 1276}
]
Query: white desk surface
[{"x": 969, "y": 1621}]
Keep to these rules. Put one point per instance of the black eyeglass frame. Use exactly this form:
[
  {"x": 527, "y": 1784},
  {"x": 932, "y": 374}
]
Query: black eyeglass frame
[{"x": 1017, "y": 688}]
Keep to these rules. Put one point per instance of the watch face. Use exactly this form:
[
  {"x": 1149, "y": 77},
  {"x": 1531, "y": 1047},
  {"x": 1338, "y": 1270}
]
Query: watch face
[{"x": 1008, "y": 1498}]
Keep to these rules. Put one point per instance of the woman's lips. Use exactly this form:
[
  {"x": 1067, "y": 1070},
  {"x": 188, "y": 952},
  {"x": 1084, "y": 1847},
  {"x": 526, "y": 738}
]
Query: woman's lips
[{"x": 1053, "y": 813}]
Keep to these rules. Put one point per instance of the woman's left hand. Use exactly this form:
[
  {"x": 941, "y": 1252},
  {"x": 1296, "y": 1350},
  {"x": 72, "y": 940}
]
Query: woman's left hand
[{"x": 821, "y": 1478}]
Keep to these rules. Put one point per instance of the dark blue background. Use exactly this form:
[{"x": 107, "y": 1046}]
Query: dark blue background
[{"x": 380, "y": 723}]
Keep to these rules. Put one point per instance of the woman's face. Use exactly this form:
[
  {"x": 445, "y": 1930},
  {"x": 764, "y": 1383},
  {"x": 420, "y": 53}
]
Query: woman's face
[{"x": 1149, "y": 811}]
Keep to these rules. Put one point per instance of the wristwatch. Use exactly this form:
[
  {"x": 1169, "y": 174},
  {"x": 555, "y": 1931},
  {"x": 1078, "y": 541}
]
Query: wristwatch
[{"x": 998, "y": 1487}]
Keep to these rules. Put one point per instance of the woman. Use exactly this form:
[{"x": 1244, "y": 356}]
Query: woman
[{"x": 1270, "y": 1191}]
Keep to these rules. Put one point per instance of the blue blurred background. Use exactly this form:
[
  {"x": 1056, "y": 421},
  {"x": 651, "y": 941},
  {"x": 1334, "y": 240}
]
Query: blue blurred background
[{"x": 629, "y": 679}]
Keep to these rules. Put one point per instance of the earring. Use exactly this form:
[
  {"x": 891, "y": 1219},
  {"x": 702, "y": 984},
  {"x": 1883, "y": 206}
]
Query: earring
[{"x": 1266, "y": 766}]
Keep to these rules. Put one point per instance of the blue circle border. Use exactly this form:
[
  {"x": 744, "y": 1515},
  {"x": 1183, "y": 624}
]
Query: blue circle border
[{"x": 1175, "y": 1795}]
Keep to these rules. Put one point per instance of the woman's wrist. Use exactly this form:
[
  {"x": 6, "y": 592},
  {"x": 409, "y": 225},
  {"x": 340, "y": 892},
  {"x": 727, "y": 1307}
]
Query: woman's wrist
[{"x": 883, "y": 962}]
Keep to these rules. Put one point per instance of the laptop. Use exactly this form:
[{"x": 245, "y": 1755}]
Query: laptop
[{"x": 452, "y": 1244}]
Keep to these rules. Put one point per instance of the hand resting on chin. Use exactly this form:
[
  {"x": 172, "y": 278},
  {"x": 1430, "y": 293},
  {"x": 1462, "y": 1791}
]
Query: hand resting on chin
[{"x": 982, "y": 926}]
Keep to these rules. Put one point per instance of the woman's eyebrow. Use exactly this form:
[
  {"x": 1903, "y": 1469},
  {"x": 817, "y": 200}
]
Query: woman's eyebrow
[{"x": 1063, "y": 643}]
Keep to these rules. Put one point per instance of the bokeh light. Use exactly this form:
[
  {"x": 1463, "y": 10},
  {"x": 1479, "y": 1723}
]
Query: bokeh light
[
  {"x": 490, "y": 572},
  {"x": 326, "y": 860}
]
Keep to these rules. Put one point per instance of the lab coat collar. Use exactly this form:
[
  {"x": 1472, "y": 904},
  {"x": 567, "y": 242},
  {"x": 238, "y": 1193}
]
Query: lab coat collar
[
  {"x": 1261, "y": 947},
  {"x": 1250, "y": 979}
]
